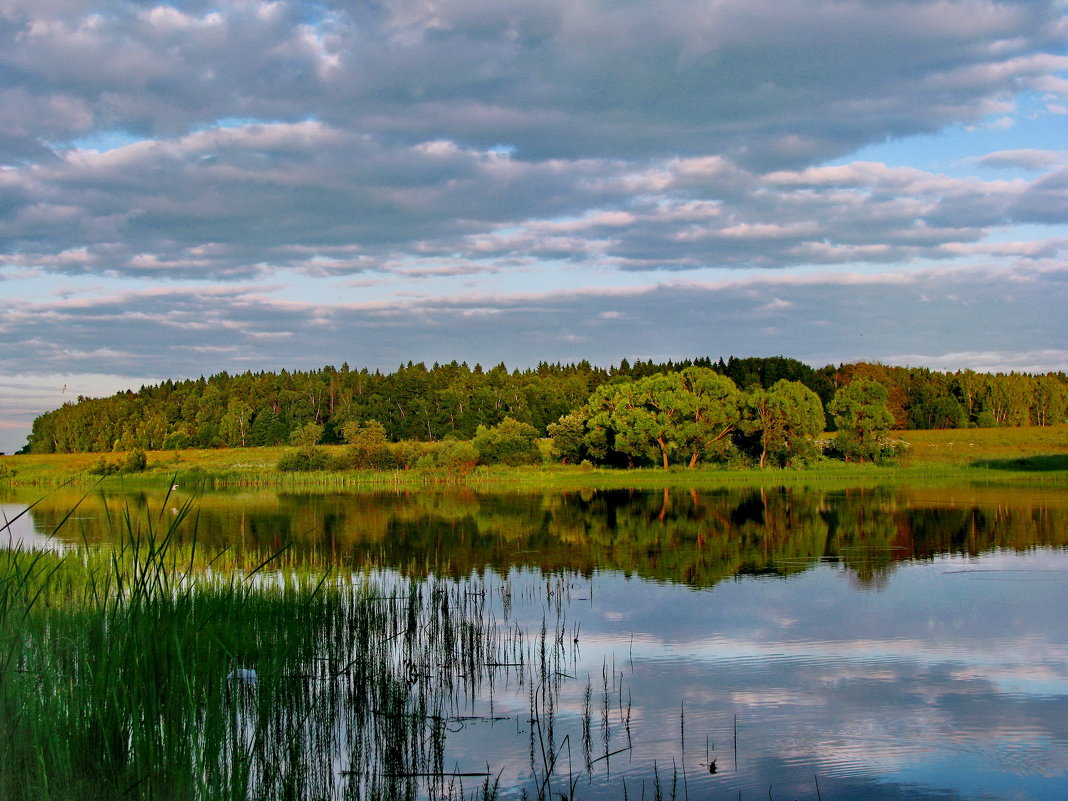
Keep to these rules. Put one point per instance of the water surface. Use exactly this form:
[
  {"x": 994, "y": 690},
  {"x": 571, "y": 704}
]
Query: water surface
[{"x": 783, "y": 643}]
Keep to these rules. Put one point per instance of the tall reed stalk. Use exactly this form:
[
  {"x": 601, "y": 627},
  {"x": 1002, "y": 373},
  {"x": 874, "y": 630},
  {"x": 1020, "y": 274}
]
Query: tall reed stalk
[{"x": 146, "y": 672}]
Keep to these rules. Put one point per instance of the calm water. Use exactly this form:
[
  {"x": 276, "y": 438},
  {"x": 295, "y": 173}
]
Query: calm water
[{"x": 884, "y": 644}]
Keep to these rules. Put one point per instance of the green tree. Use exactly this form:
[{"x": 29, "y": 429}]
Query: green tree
[
  {"x": 620, "y": 422},
  {"x": 862, "y": 417},
  {"x": 368, "y": 446},
  {"x": 663, "y": 416},
  {"x": 569, "y": 438},
  {"x": 136, "y": 461},
  {"x": 236, "y": 425},
  {"x": 453, "y": 456},
  {"x": 306, "y": 437},
  {"x": 786, "y": 420},
  {"x": 715, "y": 412},
  {"x": 1049, "y": 400}
]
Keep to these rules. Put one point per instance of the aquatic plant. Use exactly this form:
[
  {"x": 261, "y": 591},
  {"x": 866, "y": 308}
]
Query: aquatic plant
[{"x": 145, "y": 671}]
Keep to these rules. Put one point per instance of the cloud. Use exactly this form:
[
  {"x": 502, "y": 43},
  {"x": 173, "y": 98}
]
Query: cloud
[
  {"x": 240, "y": 202},
  {"x": 991, "y": 361},
  {"x": 258, "y": 136},
  {"x": 830, "y": 317},
  {"x": 554, "y": 79},
  {"x": 1025, "y": 159}
]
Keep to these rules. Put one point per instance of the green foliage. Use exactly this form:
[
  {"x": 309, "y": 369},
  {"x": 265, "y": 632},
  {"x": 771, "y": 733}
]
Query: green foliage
[
  {"x": 176, "y": 440},
  {"x": 452, "y": 456},
  {"x": 417, "y": 402},
  {"x": 408, "y": 453},
  {"x": 568, "y": 438},
  {"x": 940, "y": 411},
  {"x": 302, "y": 459},
  {"x": 510, "y": 443},
  {"x": 863, "y": 419},
  {"x": 785, "y": 421},
  {"x": 662, "y": 418},
  {"x": 135, "y": 462},
  {"x": 369, "y": 447},
  {"x": 714, "y": 415},
  {"x": 103, "y": 468},
  {"x": 307, "y": 436}
]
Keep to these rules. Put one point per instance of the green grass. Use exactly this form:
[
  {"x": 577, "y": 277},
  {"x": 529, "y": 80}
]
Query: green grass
[
  {"x": 993, "y": 455},
  {"x": 117, "y": 674}
]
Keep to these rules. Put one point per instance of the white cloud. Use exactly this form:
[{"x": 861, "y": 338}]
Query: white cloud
[{"x": 442, "y": 151}]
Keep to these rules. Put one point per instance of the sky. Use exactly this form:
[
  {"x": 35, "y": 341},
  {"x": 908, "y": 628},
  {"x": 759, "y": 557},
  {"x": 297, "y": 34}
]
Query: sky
[{"x": 246, "y": 185}]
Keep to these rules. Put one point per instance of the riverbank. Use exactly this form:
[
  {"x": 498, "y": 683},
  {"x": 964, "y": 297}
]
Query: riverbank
[{"x": 1030, "y": 456}]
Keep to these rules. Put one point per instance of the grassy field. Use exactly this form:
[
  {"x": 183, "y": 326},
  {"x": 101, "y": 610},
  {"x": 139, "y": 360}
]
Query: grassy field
[{"x": 989, "y": 455}]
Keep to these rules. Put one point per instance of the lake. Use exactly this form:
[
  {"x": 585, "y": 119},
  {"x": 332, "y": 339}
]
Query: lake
[{"x": 785, "y": 643}]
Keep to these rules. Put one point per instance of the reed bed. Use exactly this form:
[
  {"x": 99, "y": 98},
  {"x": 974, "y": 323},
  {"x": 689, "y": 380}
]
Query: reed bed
[{"x": 151, "y": 671}]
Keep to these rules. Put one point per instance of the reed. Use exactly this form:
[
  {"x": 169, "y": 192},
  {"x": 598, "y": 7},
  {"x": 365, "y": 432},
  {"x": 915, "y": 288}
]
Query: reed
[{"x": 152, "y": 671}]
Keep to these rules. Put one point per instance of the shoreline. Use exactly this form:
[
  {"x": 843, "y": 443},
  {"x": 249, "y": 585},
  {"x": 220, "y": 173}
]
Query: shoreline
[{"x": 1032, "y": 456}]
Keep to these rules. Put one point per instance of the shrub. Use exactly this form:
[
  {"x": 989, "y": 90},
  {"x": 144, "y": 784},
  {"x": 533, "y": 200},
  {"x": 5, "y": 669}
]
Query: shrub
[
  {"x": 511, "y": 443},
  {"x": 450, "y": 455},
  {"x": 135, "y": 462},
  {"x": 302, "y": 459},
  {"x": 176, "y": 441},
  {"x": 407, "y": 453},
  {"x": 103, "y": 467},
  {"x": 368, "y": 446},
  {"x": 568, "y": 438},
  {"x": 862, "y": 418}
]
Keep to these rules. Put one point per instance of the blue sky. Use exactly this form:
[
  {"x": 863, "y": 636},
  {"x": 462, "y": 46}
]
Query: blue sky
[{"x": 241, "y": 184}]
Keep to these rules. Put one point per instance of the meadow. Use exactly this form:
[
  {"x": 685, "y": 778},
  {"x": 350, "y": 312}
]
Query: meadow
[{"x": 987, "y": 455}]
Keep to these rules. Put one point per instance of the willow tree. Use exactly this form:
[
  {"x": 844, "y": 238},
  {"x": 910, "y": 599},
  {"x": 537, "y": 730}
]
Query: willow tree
[
  {"x": 662, "y": 417},
  {"x": 862, "y": 417},
  {"x": 787, "y": 417},
  {"x": 714, "y": 414}
]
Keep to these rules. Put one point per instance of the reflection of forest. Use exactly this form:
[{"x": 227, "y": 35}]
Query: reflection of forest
[{"x": 694, "y": 537}]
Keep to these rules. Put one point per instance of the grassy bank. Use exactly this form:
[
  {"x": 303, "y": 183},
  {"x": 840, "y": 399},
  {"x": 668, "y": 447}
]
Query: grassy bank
[{"x": 1026, "y": 455}]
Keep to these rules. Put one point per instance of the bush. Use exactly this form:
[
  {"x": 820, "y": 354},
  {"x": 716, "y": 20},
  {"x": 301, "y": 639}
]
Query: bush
[
  {"x": 368, "y": 446},
  {"x": 452, "y": 456},
  {"x": 407, "y": 453},
  {"x": 176, "y": 441},
  {"x": 511, "y": 443},
  {"x": 303, "y": 459},
  {"x": 103, "y": 468},
  {"x": 338, "y": 462},
  {"x": 568, "y": 435},
  {"x": 135, "y": 462},
  {"x": 884, "y": 450}
]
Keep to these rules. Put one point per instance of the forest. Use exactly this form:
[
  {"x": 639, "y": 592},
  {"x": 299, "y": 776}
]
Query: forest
[{"x": 452, "y": 401}]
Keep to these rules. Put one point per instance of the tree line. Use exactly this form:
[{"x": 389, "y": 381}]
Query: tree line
[{"x": 452, "y": 401}]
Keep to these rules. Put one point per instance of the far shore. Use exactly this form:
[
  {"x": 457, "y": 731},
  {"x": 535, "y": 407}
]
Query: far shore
[{"x": 1026, "y": 455}]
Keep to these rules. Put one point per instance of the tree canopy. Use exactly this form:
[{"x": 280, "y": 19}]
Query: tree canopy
[{"x": 686, "y": 399}]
